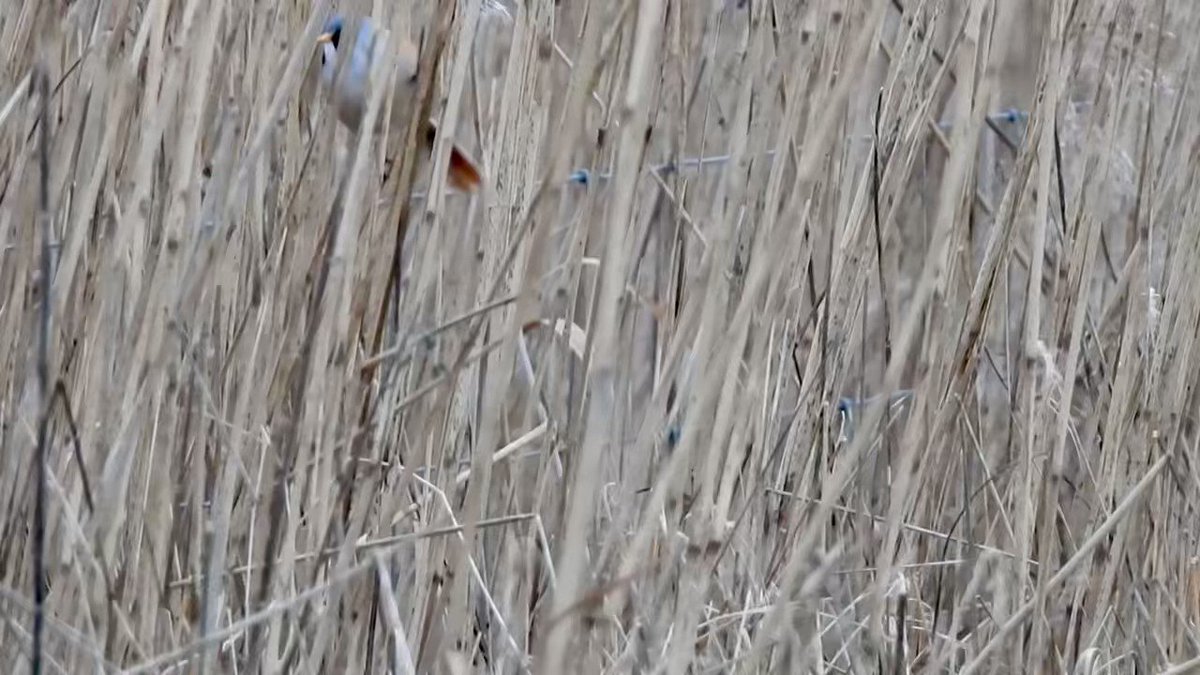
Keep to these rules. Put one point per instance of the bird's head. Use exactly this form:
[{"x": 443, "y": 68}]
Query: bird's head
[
  {"x": 332, "y": 32},
  {"x": 330, "y": 38}
]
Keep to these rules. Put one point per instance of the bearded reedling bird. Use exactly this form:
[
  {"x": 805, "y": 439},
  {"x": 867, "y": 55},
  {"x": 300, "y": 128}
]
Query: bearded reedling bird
[{"x": 349, "y": 89}]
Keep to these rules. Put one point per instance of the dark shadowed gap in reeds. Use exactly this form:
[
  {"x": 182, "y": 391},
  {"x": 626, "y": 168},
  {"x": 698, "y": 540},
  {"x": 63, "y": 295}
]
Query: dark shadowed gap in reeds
[{"x": 832, "y": 336}]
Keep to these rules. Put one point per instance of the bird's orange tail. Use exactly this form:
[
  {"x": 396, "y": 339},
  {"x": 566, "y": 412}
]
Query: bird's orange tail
[{"x": 463, "y": 174}]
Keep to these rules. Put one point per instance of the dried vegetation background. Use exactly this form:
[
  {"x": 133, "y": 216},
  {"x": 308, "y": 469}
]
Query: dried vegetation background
[{"x": 826, "y": 336}]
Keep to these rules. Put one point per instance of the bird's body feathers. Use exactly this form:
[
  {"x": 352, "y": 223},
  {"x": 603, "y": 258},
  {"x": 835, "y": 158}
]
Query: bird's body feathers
[{"x": 348, "y": 85}]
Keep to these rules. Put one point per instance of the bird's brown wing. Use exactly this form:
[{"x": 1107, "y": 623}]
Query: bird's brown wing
[{"x": 464, "y": 173}]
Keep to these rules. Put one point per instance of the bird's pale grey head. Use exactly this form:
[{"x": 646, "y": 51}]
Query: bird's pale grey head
[
  {"x": 331, "y": 37},
  {"x": 332, "y": 31}
]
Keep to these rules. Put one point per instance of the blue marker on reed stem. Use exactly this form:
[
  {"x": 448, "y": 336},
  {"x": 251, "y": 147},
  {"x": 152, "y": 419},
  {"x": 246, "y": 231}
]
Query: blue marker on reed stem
[{"x": 848, "y": 409}]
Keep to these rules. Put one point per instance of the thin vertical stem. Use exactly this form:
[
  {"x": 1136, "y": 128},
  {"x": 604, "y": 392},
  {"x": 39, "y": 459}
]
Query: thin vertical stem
[{"x": 42, "y": 90}]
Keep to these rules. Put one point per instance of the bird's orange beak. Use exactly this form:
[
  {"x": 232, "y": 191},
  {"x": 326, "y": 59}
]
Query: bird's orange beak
[{"x": 325, "y": 38}]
